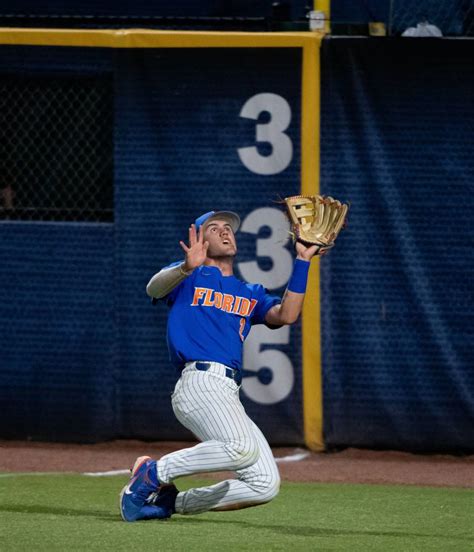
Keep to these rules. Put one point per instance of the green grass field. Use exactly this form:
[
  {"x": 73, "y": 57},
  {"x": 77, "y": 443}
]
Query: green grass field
[{"x": 74, "y": 512}]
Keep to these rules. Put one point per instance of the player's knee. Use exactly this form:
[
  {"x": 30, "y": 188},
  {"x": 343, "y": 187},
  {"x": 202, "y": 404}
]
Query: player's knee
[
  {"x": 270, "y": 486},
  {"x": 249, "y": 453},
  {"x": 245, "y": 452},
  {"x": 274, "y": 487},
  {"x": 266, "y": 487}
]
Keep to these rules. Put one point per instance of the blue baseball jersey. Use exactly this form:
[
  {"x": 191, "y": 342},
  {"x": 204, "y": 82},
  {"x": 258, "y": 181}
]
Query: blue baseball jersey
[{"x": 211, "y": 315}]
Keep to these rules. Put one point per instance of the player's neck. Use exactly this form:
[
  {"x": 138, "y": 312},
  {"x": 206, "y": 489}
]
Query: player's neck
[{"x": 224, "y": 264}]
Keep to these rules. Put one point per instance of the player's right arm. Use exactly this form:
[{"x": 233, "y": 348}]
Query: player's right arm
[{"x": 169, "y": 278}]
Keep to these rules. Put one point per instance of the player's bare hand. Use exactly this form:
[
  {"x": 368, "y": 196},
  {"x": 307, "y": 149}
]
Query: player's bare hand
[
  {"x": 306, "y": 253},
  {"x": 196, "y": 252}
]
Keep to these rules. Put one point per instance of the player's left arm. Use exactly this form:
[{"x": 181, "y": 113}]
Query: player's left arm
[{"x": 289, "y": 310}]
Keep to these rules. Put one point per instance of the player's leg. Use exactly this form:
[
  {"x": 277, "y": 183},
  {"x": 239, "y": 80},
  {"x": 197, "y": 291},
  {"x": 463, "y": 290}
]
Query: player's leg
[
  {"x": 257, "y": 484},
  {"x": 209, "y": 406}
]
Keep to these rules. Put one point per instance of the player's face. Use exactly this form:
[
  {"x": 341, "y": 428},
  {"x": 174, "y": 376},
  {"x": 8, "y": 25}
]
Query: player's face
[{"x": 221, "y": 239}]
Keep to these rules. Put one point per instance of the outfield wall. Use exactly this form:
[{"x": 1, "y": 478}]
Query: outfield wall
[
  {"x": 396, "y": 138},
  {"x": 186, "y": 112},
  {"x": 213, "y": 120}
]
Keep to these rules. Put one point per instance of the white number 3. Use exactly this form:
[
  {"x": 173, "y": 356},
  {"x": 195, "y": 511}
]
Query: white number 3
[{"x": 271, "y": 132}]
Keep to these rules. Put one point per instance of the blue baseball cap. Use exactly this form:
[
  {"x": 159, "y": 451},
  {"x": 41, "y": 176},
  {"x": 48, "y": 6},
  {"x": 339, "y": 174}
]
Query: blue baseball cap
[{"x": 229, "y": 216}]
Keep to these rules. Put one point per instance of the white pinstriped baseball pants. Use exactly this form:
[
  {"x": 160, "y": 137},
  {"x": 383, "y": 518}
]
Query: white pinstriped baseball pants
[{"x": 208, "y": 404}]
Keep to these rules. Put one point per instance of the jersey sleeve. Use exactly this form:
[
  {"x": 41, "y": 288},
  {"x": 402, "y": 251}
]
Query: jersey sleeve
[{"x": 265, "y": 303}]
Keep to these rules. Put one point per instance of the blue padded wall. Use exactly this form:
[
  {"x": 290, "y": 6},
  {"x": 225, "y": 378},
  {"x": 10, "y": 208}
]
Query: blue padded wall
[
  {"x": 177, "y": 129},
  {"x": 83, "y": 352},
  {"x": 57, "y": 302},
  {"x": 396, "y": 141},
  {"x": 57, "y": 331},
  {"x": 177, "y": 133}
]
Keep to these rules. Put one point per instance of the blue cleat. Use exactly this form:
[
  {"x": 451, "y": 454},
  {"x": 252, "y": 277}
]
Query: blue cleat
[
  {"x": 159, "y": 505},
  {"x": 151, "y": 512},
  {"x": 143, "y": 483},
  {"x": 164, "y": 499}
]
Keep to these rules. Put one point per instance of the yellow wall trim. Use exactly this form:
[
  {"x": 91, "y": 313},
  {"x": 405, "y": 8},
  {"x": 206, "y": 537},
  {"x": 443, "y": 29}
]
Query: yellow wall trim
[
  {"x": 143, "y": 38},
  {"x": 310, "y": 140}
]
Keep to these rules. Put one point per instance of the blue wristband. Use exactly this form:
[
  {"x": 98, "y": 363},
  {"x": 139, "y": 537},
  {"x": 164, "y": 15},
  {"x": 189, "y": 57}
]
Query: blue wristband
[{"x": 299, "y": 277}]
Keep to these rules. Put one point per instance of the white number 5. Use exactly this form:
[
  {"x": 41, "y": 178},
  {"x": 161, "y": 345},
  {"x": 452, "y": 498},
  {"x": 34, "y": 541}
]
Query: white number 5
[
  {"x": 271, "y": 132},
  {"x": 277, "y": 362}
]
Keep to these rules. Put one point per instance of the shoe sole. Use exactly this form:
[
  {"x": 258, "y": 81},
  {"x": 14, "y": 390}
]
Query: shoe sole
[{"x": 138, "y": 463}]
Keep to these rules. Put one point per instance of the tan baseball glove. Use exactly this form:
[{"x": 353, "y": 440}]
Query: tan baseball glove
[{"x": 316, "y": 220}]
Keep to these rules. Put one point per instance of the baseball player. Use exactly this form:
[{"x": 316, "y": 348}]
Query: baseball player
[{"x": 211, "y": 313}]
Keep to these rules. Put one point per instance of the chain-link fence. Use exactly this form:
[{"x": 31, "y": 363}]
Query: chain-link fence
[
  {"x": 401, "y": 17},
  {"x": 56, "y": 148},
  {"x": 450, "y": 17}
]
